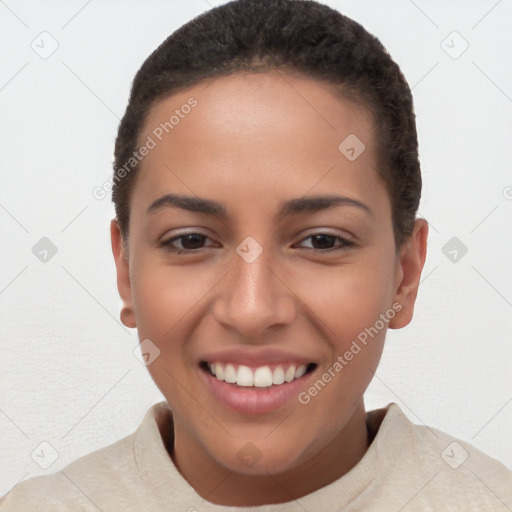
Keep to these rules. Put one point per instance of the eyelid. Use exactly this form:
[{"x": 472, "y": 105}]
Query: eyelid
[
  {"x": 166, "y": 242},
  {"x": 173, "y": 234},
  {"x": 328, "y": 231},
  {"x": 346, "y": 241}
]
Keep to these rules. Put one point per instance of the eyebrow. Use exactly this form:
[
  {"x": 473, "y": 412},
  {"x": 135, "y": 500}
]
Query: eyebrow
[{"x": 309, "y": 204}]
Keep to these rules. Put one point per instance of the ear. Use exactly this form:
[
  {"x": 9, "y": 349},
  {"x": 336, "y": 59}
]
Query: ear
[
  {"x": 124, "y": 285},
  {"x": 408, "y": 272}
]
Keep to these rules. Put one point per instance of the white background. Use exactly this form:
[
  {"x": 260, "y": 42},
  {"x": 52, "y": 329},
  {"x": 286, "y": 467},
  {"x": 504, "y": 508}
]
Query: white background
[{"x": 68, "y": 374}]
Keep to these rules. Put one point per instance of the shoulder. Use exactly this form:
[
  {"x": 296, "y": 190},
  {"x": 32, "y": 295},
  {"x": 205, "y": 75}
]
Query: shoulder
[
  {"x": 106, "y": 479},
  {"x": 73, "y": 488},
  {"x": 441, "y": 470},
  {"x": 50, "y": 492}
]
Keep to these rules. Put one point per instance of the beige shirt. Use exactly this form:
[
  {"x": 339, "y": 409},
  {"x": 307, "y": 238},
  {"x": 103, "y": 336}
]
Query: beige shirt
[{"x": 406, "y": 468}]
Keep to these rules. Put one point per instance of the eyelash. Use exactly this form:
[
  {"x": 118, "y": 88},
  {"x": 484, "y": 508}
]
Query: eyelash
[{"x": 345, "y": 243}]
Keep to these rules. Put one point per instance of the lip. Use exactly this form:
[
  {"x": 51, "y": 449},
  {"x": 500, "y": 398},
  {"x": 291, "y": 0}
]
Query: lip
[
  {"x": 255, "y": 358},
  {"x": 253, "y": 400}
]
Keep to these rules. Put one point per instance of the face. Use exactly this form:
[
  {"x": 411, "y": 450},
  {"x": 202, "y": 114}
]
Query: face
[{"x": 278, "y": 259}]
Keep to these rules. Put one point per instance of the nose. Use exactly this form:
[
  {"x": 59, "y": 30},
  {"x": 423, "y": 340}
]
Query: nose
[{"x": 254, "y": 298}]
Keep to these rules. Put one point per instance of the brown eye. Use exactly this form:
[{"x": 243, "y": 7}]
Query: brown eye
[
  {"x": 325, "y": 242},
  {"x": 190, "y": 242},
  {"x": 193, "y": 241}
]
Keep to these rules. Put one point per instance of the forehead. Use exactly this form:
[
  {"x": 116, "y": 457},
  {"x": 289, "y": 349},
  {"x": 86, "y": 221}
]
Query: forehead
[
  {"x": 263, "y": 134},
  {"x": 240, "y": 100}
]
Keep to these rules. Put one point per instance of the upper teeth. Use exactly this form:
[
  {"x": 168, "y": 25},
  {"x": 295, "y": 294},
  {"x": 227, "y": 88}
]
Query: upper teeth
[{"x": 260, "y": 377}]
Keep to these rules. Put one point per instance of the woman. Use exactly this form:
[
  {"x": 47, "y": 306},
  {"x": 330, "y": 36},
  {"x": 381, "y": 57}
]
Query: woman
[{"x": 266, "y": 186}]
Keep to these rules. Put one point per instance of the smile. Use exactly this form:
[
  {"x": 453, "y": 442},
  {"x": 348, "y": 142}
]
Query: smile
[
  {"x": 259, "y": 377},
  {"x": 256, "y": 389}
]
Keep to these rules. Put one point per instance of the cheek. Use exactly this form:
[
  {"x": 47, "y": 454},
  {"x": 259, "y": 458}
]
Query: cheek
[
  {"x": 352, "y": 303},
  {"x": 171, "y": 304},
  {"x": 162, "y": 295},
  {"x": 349, "y": 298},
  {"x": 166, "y": 301}
]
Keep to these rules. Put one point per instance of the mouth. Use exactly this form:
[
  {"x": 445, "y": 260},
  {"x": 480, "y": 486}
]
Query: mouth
[
  {"x": 255, "y": 390},
  {"x": 260, "y": 377}
]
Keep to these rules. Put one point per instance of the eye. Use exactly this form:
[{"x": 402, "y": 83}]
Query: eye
[
  {"x": 190, "y": 242},
  {"x": 323, "y": 242},
  {"x": 194, "y": 242}
]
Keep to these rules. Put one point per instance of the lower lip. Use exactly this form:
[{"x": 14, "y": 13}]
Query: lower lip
[{"x": 253, "y": 400}]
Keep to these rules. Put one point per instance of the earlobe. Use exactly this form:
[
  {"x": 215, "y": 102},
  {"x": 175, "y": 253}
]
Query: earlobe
[
  {"x": 408, "y": 273},
  {"x": 127, "y": 317},
  {"x": 123, "y": 275}
]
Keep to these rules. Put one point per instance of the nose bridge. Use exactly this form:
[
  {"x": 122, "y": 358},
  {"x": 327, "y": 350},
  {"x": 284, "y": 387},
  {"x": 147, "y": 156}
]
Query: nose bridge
[{"x": 253, "y": 298}]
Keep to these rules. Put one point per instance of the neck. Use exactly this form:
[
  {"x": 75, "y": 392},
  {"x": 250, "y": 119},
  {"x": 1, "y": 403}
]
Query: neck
[{"x": 217, "y": 484}]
